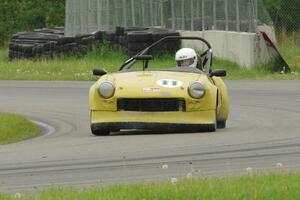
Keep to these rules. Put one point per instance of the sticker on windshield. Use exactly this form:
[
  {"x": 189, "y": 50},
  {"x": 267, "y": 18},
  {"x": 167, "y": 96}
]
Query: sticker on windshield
[{"x": 169, "y": 83}]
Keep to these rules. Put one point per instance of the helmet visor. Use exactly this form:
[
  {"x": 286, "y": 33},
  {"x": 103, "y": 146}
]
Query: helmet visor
[{"x": 185, "y": 62}]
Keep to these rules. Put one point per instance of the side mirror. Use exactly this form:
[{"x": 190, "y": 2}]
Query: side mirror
[
  {"x": 99, "y": 72},
  {"x": 219, "y": 73},
  {"x": 143, "y": 57}
]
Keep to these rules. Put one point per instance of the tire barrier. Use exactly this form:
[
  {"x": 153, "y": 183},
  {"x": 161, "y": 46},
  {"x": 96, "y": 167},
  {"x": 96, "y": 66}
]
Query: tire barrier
[
  {"x": 47, "y": 42},
  {"x": 135, "y": 39}
]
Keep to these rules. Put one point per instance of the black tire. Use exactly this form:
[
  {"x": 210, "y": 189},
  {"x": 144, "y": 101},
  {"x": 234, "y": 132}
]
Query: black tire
[
  {"x": 169, "y": 46},
  {"x": 41, "y": 36},
  {"x": 99, "y": 132},
  {"x": 137, "y": 46},
  {"x": 11, "y": 55},
  {"x": 211, "y": 127},
  {"x": 130, "y": 53},
  {"x": 88, "y": 41},
  {"x": 122, "y": 41},
  {"x": 99, "y": 35},
  {"x": 25, "y": 48},
  {"x": 109, "y": 36},
  {"x": 120, "y": 31},
  {"x": 139, "y": 36},
  {"x": 221, "y": 124},
  {"x": 24, "y": 41},
  {"x": 80, "y": 37},
  {"x": 158, "y": 30},
  {"x": 159, "y": 35},
  {"x": 66, "y": 40},
  {"x": 15, "y": 36},
  {"x": 136, "y": 28}
]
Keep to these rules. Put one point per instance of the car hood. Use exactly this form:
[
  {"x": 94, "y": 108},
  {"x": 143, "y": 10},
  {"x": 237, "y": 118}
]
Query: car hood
[{"x": 147, "y": 84}]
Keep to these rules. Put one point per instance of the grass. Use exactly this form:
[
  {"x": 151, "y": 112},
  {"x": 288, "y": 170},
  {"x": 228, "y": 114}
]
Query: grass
[
  {"x": 60, "y": 68},
  {"x": 70, "y": 68},
  {"x": 15, "y": 128},
  {"x": 272, "y": 186},
  {"x": 289, "y": 47}
]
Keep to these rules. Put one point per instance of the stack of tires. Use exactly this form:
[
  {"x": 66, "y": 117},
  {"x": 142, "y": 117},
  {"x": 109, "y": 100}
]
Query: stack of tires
[
  {"x": 51, "y": 42},
  {"x": 169, "y": 46},
  {"x": 135, "y": 39},
  {"x": 33, "y": 44}
]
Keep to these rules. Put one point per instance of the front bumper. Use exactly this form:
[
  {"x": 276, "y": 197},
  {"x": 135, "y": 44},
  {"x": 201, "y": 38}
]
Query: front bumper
[
  {"x": 165, "y": 127},
  {"x": 152, "y": 120}
]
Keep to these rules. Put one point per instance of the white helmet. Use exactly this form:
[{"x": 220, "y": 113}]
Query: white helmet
[{"x": 186, "y": 57}]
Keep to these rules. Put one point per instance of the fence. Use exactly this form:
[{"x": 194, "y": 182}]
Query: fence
[
  {"x": 286, "y": 18},
  {"x": 85, "y": 16}
]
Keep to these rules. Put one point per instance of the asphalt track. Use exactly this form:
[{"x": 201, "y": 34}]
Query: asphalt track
[{"x": 262, "y": 134}]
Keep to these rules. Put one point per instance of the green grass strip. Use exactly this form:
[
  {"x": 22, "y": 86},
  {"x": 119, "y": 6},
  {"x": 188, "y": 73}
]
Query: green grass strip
[
  {"x": 15, "y": 128},
  {"x": 80, "y": 69},
  {"x": 272, "y": 186}
]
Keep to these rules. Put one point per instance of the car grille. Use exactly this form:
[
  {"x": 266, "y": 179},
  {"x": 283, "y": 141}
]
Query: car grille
[{"x": 151, "y": 105}]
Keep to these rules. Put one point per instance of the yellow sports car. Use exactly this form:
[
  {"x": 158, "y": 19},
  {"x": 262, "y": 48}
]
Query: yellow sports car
[{"x": 186, "y": 97}]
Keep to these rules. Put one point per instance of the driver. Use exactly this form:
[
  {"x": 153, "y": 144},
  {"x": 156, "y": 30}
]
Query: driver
[{"x": 186, "y": 57}]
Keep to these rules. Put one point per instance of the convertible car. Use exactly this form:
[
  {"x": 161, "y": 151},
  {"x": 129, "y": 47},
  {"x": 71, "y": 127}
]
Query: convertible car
[{"x": 164, "y": 99}]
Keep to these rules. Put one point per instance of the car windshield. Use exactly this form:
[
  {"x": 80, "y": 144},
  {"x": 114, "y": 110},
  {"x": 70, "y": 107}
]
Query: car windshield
[
  {"x": 183, "y": 60},
  {"x": 172, "y": 69},
  {"x": 162, "y": 63}
]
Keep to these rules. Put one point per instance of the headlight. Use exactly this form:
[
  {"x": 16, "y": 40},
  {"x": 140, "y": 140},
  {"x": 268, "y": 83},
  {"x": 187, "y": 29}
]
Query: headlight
[
  {"x": 196, "y": 90},
  {"x": 106, "y": 89}
]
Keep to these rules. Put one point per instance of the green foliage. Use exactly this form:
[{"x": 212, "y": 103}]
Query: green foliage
[
  {"x": 26, "y": 15},
  {"x": 272, "y": 186},
  {"x": 285, "y": 14}
]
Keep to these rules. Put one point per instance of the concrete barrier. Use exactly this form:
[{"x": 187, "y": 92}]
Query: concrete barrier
[{"x": 246, "y": 49}]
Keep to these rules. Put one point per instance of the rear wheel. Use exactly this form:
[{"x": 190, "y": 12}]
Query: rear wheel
[{"x": 221, "y": 124}]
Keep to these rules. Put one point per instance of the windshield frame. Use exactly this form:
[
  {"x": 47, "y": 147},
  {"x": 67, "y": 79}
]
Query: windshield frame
[{"x": 207, "y": 53}]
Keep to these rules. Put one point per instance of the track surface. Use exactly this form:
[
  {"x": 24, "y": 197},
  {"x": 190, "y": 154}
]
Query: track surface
[{"x": 263, "y": 130}]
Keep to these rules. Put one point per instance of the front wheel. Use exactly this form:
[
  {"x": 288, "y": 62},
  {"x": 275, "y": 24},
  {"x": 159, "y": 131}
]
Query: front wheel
[
  {"x": 99, "y": 131},
  {"x": 211, "y": 127}
]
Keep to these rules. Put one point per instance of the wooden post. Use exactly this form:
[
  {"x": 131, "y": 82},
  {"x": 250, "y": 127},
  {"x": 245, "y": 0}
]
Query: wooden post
[
  {"x": 203, "y": 15},
  {"x": 214, "y": 15},
  {"x": 192, "y": 15},
  {"x": 162, "y": 13},
  {"x": 143, "y": 13},
  {"x": 124, "y": 13},
  {"x": 256, "y": 13},
  {"x": 238, "y": 23},
  {"x": 132, "y": 13},
  {"x": 68, "y": 20},
  {"x": 250, "y": 17},
  {"x": 151, "y": 13},
  {"x": 107, "y": 15},
  {"x": 173, "y": 15},
  {"x": 116, "y": 12},
  {"x": 182, "y": 16},
  {"x": 99, "y": 11},
  {"x": 226, "y": 16}
]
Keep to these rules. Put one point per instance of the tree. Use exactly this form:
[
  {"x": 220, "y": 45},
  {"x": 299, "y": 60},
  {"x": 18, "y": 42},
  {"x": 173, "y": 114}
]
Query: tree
[{"x": 26, "y": 15}]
